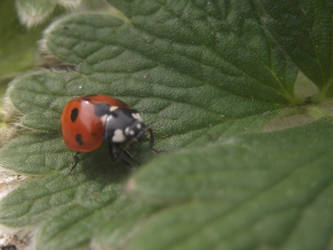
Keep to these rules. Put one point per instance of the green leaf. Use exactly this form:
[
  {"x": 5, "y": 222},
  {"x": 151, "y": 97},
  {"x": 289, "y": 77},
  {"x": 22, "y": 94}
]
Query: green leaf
[
  {"x": 17, "y": 45},
  {"x": 244, "y": 156},
  {"x": 83, "y": 224},
  {"x": 18, "y": 52},
  {"x": 261, "y": 189},
  {"x": 68, "y": 203},
  {"x": 53, "y": 195},
  {"x": 305, "y": 31},
  {"x": 192, "y": 59},
  {"x": 273, "y": 155},
  {"x": 35, "y": 154}
]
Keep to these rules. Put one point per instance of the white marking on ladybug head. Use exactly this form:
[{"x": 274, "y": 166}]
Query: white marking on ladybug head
[
  {"x": 118, "y": 136},
  {"x": 113, "y": 108},
  {"x": 139, "y": 126},
  {"x": 137, "y": 116},
  {"x": 129, "y": 131}
]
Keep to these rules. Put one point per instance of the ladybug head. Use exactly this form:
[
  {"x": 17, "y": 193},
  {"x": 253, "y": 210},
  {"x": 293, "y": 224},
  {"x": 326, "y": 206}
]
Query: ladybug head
[
  {"x": 124, "y": 125},
  {"x": 135, "y": 131}
]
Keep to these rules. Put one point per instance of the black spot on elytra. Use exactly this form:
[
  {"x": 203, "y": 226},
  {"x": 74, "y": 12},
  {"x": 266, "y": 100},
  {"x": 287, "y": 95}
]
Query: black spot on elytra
[
  {"x": 102, "y": 109},
  {"x": 78, "y": 139},
  {"x": 74, "y": 114}
]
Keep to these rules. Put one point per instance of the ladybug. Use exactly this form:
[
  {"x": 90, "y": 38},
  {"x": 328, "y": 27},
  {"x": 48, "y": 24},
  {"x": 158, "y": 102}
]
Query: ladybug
[{"x": 87, "y": 120}]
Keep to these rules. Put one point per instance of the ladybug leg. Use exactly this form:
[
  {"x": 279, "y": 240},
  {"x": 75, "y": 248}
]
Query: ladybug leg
[
  {"x": 152, "y": 141},
  {"x": 130, "y": 156},
  {"x": 151, "y": 138},
  {"x": 77, "y": 159},
  {"x": 114, "y": 151}
]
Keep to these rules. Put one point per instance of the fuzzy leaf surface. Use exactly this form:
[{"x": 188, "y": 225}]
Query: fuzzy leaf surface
[{"x": 260, "y": 190}]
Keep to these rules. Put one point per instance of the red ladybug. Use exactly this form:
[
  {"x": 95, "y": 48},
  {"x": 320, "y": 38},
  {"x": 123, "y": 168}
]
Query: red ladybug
[{"x": 86, "y": 120}]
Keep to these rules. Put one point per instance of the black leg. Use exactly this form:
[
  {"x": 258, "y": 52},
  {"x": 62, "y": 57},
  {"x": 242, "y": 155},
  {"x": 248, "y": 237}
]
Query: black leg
[
  {"x": 152, "y": 141},
  {"x": 77, "y": 159},
  {"x": 127, "y": 162},
  {"x": 130, "y": 156},
  {"x": 151, "y": 138},
  {"x": 114, "y": 151}
]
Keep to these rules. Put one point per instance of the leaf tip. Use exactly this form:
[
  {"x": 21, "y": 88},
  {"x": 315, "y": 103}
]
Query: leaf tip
[
  {"x": 70, "y": 4},
  {"x": 31, "y": 15}
]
